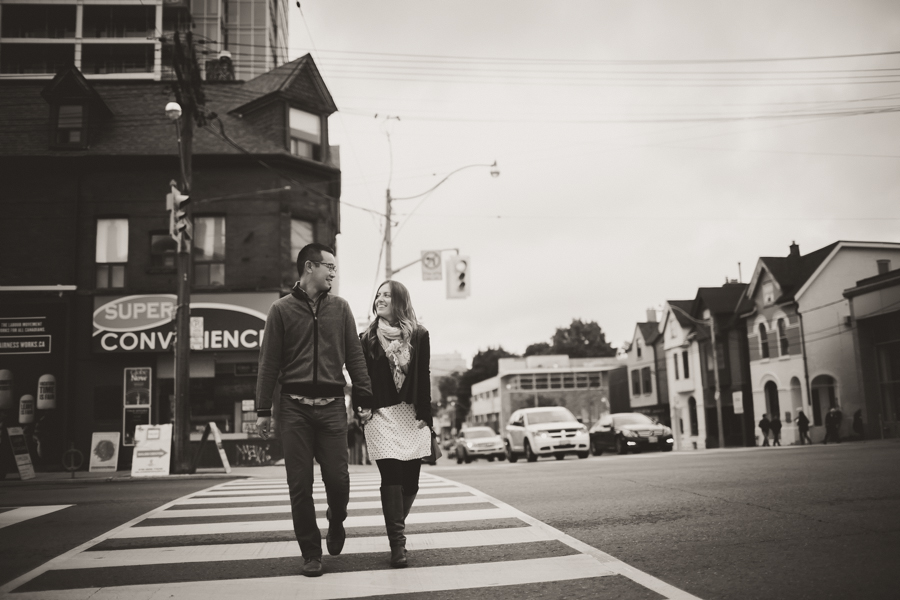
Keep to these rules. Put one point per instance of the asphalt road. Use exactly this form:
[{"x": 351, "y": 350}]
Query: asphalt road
[
  {"x": 97, "y": 507},
  {"x": 795, "y": 522}
]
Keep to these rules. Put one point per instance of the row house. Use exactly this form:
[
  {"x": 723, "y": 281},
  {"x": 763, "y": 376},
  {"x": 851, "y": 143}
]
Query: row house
[
  {"x": 648, "y": 387},
  {"x": 681, "y": 346},
  {"x": 801, "y": 334},
  {"x": 88, "y": 275}
]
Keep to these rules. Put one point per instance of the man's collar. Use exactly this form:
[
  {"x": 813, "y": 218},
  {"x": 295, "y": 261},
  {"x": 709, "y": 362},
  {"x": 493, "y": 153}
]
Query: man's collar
[{"x": 299, "y": 292}]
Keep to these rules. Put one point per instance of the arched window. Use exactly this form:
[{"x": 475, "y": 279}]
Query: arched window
[
  {"x": 692, "y": 408},
  {"x": 824, "y": 397},
  {"x": 763, "y": 340},
  {"x": 782, "y": 338},
  {"x": 773, "y": 406}
]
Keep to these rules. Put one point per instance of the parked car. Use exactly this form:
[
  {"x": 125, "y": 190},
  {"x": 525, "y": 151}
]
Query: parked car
[
  {"x": 629, "y": 432},
  {"x": 547, "y": 431},
  {"x": 479, "y": 442}
]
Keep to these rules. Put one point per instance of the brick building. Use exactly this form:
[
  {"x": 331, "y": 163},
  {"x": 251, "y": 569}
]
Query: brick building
[{"x": 87, "y": 265}]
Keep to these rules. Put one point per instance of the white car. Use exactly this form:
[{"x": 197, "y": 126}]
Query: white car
[
  {"x": 546, "y": 431},
  {"x": 479, "y": 442}
]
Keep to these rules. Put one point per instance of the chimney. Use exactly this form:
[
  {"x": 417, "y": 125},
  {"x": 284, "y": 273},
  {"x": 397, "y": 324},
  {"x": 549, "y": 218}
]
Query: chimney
[
  {"x": 884, "y": 266},
  {"x": 651, "y": 315},
  {"x": 795, "y": 250}
]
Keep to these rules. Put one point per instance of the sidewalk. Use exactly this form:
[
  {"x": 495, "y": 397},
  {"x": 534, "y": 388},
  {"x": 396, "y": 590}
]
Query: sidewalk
[{"x": 267, "y": 472}]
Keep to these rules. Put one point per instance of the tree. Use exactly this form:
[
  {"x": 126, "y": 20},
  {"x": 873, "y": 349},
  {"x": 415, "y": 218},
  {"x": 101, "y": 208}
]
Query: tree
[
  {"x": 484, "y": 366},
  {"x": 581, "y": 340},
  {"x": 448, "y": 385},
  {"x": 539, "y": 349}
]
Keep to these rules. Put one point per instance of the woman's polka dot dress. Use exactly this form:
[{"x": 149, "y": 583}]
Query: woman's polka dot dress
[{"x": 392, "y": 433}]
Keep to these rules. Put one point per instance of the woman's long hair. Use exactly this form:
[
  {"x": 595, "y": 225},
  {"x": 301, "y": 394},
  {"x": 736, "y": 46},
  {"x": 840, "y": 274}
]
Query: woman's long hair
[{"x": 402, "y": 309}]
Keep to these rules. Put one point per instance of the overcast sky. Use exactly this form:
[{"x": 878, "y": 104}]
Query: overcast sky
[{"x": 641, "y": 155}]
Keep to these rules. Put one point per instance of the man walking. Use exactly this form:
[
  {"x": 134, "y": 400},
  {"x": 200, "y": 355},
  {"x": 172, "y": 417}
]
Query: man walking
[
  {"x": 310, "y": 335},
  {"x": 833, "y": 425},
  {"x": 764, "y": 425},
  {"x": 776, "y": 430},
  {"x": 803, "y": 427}
]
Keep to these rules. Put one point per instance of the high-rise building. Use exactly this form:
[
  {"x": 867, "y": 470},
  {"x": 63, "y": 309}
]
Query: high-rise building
[{"x": 133, "y": 39}]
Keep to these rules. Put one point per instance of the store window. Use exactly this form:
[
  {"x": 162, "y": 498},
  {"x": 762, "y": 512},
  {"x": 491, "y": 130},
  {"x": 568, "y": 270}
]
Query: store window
[
  {"x": 209, "y": 251},
  {"x": 111, "y": 253},
  {"x": 306, "y": 134}
]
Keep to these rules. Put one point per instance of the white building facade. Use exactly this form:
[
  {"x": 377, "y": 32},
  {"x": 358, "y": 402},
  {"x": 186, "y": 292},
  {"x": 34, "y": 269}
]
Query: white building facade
[{"x": 683, "y": 376}]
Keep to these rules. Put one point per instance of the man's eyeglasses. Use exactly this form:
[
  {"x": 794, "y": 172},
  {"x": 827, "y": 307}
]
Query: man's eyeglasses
[{"x": 330, "y": 266}]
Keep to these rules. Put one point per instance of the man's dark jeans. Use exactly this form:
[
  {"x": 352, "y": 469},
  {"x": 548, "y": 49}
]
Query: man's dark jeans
[{"x": 318, "y": 432}]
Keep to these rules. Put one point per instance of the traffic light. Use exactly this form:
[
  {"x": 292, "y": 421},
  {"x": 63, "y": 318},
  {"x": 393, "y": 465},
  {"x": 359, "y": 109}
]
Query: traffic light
[
  {"x": 458, "y": 277},
  {"x": 180, "y": 227}
]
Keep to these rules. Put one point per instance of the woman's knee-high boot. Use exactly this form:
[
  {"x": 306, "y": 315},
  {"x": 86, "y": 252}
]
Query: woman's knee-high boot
[
  {"x": 408, "y": 500},
  {"x": 394, "y": 523}
]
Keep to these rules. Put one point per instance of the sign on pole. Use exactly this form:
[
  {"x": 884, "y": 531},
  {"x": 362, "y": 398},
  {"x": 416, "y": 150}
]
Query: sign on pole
[
  {"x": 152, "y": 448},
  {"x": 737, "y": 398},
  {"x": 20, "y": 450},
  {"x": 104, "y": 452},
  {"x": 431, "y": 265},
  {"x": 218, "y": 437},
  {"x": 196, "y": 333}
]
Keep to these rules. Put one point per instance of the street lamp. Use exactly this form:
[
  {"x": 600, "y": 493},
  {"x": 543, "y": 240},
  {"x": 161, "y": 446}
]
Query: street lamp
[{"x": 388, "y": 269}]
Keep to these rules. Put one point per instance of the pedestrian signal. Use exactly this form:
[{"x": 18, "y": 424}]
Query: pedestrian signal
[{"x": 458, "y": 277}]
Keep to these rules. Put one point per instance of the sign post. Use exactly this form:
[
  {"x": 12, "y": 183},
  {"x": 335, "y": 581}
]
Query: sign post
[{"x": 431, "y": 265}]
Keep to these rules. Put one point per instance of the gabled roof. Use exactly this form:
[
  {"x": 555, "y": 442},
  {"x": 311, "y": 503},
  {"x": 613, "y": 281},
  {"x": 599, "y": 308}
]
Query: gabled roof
[
  {"x": 70, "y": 84},
  {"x": 649, "y": 331},
  {"x": 686, "y": 306},
  {"x": 791, "y": 272},
  {"x": 722, "y": 300},
  {"x": 298, "y": 81}
]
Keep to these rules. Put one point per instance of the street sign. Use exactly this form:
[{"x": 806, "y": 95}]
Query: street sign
[
  {"x": 104, "y": 452},
  {"x": 431, "y": 265},
  {"x": 152, "y": 445},
  {"x": 20, "y": 450},
  {"x": 737, "y": 398},
  {"x": 196, "y": 333}
]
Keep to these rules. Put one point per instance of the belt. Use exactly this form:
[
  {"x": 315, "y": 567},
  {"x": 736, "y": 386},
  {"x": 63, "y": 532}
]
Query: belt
[{"x": 313, "y": 401}]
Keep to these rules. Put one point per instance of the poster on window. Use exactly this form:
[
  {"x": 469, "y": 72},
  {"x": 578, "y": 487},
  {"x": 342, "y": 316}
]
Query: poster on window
[
  {"x": 138, "y": 382},
  {"x": 132, "y": 418},
  {"x": 104, "y": 452}
]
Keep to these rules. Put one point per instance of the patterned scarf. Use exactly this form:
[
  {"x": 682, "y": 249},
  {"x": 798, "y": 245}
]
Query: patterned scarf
[{"x": 396, "y": 349}]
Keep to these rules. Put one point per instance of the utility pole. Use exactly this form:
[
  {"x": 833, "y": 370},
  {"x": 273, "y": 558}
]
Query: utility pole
[
  {"x": 190, "y": 96},
  {"x": 388, "y": 271},
  {"x": 712, "y": 329}
]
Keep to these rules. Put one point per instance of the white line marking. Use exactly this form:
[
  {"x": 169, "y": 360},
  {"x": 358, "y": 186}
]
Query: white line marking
[
  {"x": 269, "y": 550},
  {"x": 24, "y": 513},
  {"x": 286, "y": 508},
  {"x": 316, "y": 488},
  {"x": 320, "y": 496},
  {"x": 645, "y": 579},
  {"x": 357, "y": 584}
]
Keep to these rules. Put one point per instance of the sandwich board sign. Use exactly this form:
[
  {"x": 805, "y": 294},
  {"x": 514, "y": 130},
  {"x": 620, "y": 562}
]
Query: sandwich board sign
[
  {"x": 152, "y": 450},
  {"x": 104, "y": 452},
  {"x": 218, "y": 437},
  {"x": 20, "y": 450}
]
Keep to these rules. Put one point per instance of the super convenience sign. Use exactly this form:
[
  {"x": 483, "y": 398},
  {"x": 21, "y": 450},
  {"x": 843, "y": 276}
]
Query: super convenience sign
[{"x": 145, "y": 323}]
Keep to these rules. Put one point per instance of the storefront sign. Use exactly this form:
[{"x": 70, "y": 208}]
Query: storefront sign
[
  {"x": 145, "y": 323},
  {"x": 21, "y": 335},
  {"x": 132, "y": 418},
  {"x": 152, "y": 445},
  {"x": 104, "y": 452},
  {"x": 20, "y": 450},
  {"x": 138, "y": 386}
]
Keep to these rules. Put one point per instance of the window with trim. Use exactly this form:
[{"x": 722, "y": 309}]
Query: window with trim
[
  {"x": 687, "y": 370},
  {"x": 69, "y": 130},
  {"x": 162, "y": 251},
  {"x": 111, "y": 253},
  {"x": 638, "y": 349},
  {"x": 306, "y": 134},
  {"x": 209, "y": 251},
  {"x": 763, "y": 340},
  {"x": 675, "y": 362},
  {"x": 635, "y": 383},
  {"x": 782, "y": 338},
  {"x": 302, "y": 233},
  {"x": 645, "y": 379}
]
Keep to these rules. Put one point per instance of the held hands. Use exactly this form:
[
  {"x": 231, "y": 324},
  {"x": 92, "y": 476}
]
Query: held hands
[
  {"x": 421, "y": 424},
  {"x": 265, "y": 426}
]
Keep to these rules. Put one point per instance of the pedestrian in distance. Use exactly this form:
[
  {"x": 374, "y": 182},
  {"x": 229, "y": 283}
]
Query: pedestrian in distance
[
  {"x": 310, "y": 336},
  {"x": 397, "y": 417},
  {"x": 776, "y": 430},
  {"x": 803, "y": 427},
  {"x": 833, "y": 425},
  {"x": 764, "y": 426},
  {"x": 858, "y": 427}
]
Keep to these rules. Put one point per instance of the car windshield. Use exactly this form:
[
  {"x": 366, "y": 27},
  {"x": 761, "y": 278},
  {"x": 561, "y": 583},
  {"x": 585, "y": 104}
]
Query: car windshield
[
  {"x": 635, "y": 419},
  {"x": 550, "y": 416},
  {"x": 479, "y": 433}
]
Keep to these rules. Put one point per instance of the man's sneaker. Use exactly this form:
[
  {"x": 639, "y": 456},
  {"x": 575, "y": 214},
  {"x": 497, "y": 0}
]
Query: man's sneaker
[
  {"x": 334, "y": 540},
  {"x": 312, "y": 567}
]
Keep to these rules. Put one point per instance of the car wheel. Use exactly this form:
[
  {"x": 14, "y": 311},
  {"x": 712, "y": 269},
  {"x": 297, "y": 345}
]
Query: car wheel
[
  {"x": 666, "y": 448},
  {"x": 560, "y": 457},
  {"x": 510, "y": 454},
  {"x": 459, "y": 457},
  {"x": 468, "y": 459},
  {"x": 501, "y": 457},
  {"x": 583, "y": 454},
  {"x": 530, "y": 456},
  {"x": 490, "y": 459},
  {"x": 597, "y": 449},
  {"x": 621, "y": 448}
]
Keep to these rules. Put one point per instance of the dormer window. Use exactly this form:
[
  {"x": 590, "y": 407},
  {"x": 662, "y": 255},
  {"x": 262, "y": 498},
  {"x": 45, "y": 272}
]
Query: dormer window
[
  {"x": 70, "y": 130},
  {"x": 306, "y": 134}
]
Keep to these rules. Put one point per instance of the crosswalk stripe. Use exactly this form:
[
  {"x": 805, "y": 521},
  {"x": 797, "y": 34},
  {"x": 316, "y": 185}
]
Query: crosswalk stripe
[
  {"x": 286, "y": 508},
  {"x": 357, "y": 584},
  {"x": 220, "y": 493},
  {"x": 24, "y": 513},
  {"x": 288, "y": 525},
  {"x": 286, "y": 498},
  {"x": 269, "y": 550}
]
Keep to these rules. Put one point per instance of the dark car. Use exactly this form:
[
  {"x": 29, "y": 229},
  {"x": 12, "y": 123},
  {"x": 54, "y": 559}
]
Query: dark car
[{"x": 629, "y": 432}]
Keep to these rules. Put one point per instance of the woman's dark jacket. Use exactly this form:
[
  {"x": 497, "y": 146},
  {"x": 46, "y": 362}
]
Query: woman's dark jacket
[{"x": 416, "y": 388}]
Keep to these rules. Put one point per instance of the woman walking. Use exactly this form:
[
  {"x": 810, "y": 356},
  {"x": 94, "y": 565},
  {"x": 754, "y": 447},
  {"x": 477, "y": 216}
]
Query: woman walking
[{"x": 397, "y": 417}]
